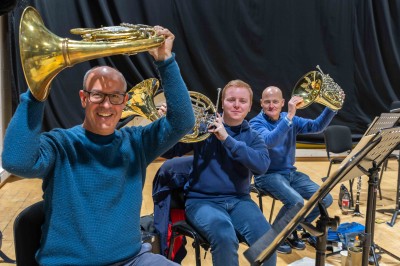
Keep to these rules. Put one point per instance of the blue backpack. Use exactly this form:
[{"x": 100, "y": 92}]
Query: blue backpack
[{"x": 345, "y": 233}]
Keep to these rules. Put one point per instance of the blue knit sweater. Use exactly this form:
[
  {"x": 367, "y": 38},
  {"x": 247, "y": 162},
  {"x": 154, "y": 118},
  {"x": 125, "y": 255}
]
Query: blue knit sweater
[
  {"x": 281, "y": 138},
  {"x": 92, "y": 184},
  {"x": 224, "y": 169}
]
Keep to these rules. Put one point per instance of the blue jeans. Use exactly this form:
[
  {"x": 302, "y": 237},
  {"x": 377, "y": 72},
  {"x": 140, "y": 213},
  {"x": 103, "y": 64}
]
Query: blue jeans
[
  {"x": 145, "y": 257},
  {"x": 291, "y": 188},
  {"x": 219, "y": 221}
]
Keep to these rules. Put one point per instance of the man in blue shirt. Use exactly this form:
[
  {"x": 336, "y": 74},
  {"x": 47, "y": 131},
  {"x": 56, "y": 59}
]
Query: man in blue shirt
[
  {"x": 279, "y": 130},
  {"x": 92, "y": 173}
]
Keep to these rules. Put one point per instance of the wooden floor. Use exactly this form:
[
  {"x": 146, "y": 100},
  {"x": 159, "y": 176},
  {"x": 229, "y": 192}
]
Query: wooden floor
[{"x": 17, "y": 193}]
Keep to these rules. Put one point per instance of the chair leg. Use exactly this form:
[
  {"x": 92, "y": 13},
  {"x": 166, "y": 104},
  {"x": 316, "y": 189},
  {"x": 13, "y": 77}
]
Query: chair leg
[
  {"x": 171, "y": 244},
  {"x": 196, "y": 244},
  {"x": 6, "y": 258},
  {"x": 272, "y": 210},
  {"x": 260, "y": 203},
  {"x": 329, "y": 169}
]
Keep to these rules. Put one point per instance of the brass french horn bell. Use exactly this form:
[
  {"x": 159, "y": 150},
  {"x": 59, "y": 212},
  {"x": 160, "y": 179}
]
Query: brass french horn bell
[
  {"x": 315, "y": 86},
  {"x": 44, "y": 55},
  {"x": 205, "y": 114},
  {"x": 140, "y": 100},
  {"x": 141, "y": 103}
]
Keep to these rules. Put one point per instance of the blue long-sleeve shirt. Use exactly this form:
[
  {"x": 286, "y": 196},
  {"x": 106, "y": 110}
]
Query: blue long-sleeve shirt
[
  {"x": 92, "y": 184},
  {"x": 224, "y": 169},
  {"x": 280, "y": 137}
]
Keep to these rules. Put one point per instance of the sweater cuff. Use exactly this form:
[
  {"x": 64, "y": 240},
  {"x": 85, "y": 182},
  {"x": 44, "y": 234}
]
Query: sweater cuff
[
  {"x": 164, "y": 63},
  {"x": 229, "y": 142}
]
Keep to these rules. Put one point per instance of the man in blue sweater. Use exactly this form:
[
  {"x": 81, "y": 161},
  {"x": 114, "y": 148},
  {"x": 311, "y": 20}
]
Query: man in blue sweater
[
  {"x": 92, "y": 173},
  {"x": 279, "y": 130},
  {"x": 218, "y": 202}
]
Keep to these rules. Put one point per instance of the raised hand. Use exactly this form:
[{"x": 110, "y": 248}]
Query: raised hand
[{"x": 164, "y": 51}]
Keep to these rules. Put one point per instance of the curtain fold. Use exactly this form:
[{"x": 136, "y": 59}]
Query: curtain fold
[{"x": 263, "y": 42}]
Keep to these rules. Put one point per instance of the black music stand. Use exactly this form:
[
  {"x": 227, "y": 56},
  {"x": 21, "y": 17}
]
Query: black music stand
[
  {"x": 385, "y": 120},
  {"x": 396, "y": 211},
  {"x": 365, "y": 158}
]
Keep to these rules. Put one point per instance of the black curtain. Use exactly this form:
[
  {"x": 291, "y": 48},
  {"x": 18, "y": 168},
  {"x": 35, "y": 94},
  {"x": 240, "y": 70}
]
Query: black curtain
[{"x": 263, "y": 42}]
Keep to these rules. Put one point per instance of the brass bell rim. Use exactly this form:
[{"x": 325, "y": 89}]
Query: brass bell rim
[{"x": 315, "y": 91}]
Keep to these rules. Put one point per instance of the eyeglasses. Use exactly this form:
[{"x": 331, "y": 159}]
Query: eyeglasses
[{"x": 98, "y": 97}]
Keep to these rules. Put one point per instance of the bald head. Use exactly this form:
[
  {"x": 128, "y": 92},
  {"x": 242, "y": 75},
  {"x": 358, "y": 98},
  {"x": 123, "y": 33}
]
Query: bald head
[
  {"x": 272, "y": 91},
  {"x": 272, "y": 102},
  {"x": 107, "y": 77}
]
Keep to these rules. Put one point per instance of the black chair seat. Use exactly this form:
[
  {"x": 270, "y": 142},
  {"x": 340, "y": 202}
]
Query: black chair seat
[
  {"x": 27, "y": 234},
  {"x": 184, "y": 229}
]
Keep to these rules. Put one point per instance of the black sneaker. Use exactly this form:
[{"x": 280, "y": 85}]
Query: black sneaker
[
  {"x": 295, "y": 242},
  {"x": 284, "y": 248}
]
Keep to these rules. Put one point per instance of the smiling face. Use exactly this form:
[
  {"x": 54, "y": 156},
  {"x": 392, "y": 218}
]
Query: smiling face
[
  {"x": 236, "y": 102},
  {"x": 102, "y": 118},
  {"x": 272, "y": 102}
]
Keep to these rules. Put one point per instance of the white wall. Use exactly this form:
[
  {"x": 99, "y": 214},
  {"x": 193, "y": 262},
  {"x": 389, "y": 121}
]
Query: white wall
[{"x": 5, "y": 89}]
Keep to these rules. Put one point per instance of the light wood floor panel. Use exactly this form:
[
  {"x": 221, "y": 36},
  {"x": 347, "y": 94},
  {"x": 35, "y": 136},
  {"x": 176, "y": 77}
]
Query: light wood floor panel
[{"x": 16, "y": 194}]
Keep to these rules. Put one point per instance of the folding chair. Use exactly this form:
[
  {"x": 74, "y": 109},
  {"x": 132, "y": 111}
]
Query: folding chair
[
  {"x": 27, "y": 234},
  {"x": 338, "y": 140}
]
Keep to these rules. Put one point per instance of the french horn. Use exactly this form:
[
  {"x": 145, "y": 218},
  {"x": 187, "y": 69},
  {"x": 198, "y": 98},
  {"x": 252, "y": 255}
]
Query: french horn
[
  {"x": 141, "y": 103},
  {"x": 44, "y": 55},
  {"x": 315, "y": 86}
]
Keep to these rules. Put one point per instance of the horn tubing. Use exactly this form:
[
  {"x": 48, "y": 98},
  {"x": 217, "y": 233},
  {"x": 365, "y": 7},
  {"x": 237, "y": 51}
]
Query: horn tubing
[{"x": 44, "y": 54}]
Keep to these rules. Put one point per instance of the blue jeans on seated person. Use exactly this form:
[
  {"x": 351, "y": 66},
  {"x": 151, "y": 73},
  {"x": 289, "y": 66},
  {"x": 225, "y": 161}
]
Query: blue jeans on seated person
[
  {"x": 218, "y": 222},
  {"x": 291, "y": 188},
  {"x": 145, "y": 257}
]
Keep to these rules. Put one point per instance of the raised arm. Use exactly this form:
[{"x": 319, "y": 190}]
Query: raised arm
[
  {"x": 179, "y": 119},
  {"x": 271, "y": 136},
  {"x": 317, "y": 125},
  {"x": 23, "y": 144}
]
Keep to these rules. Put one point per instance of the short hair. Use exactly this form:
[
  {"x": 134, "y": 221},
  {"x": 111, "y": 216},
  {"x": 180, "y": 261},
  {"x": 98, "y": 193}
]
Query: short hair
[
  {"x": 237, "y": 83},
  {"x": 96, "y": 67}
]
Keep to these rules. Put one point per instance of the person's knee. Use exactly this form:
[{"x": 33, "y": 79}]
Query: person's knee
[
  {"x": 293, "y": 199},
  {"x": 224, "y": 238},
  {"x": 265, "y": 182},
  {"x": 328, "y": 200}
]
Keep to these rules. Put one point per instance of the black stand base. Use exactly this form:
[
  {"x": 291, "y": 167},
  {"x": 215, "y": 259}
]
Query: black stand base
[
  {"x": 374, "y": 258},
  {"x": 321, "y": 232},
  {"x": 394, "y": 217},
  {"x": 371, "y": 257}
]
